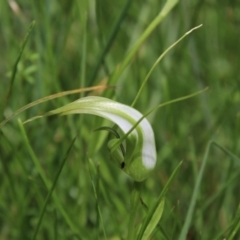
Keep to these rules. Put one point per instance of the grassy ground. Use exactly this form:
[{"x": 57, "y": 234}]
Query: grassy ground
[{"x": 66, "y": 49}]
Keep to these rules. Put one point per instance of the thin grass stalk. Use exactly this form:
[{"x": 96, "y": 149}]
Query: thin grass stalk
[
  {"x": 15, "y": 66},
  {"x": 52, "y": 189},
  {"x": 110, "y": 40},
  {"x": 158, "y": 60},
  {"x": 7, "y": 173},
  {"x": 222, "y": 188},
  {"x": 236, "y": 226},
  {"x": 135, "y": 200},
  {"x": 152, "y": 210},
  {"x": 156, "y": 21},
  {"x": 55, "y": 227},
  {"x": 99, "y": 221},
  {"x": 83, "y": 58},
  {"x": 159, "y": 227},
  {"x": 51, "y": 97},
  {"x": 45, "y": 180},
  {"x": 193, "y": 201}
]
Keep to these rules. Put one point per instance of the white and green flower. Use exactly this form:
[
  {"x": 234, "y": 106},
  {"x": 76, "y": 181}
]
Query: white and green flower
[{"x": 139, "y": 157}]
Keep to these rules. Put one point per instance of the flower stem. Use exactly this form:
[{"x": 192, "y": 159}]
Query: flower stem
[{"x": 135, "y": 200}]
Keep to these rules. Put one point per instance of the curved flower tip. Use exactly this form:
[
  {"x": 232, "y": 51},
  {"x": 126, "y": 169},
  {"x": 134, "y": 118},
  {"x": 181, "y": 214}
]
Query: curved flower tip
[{"x": 139, "y": 157}]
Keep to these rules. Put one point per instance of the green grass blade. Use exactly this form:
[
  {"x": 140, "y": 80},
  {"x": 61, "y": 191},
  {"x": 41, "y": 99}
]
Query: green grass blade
[
  {"x": 236, "y": 225},
  {"x": 157, "y": 206},
  {"x": 160, "y": 228},
  {"x": 235, "y": 158},
  {"x": 110, "y": 41},
  {"x": 52, "y": 188},
  {"x": 14, "y": 72},
  {"x": 197, "y": 189},
  {"x": 135, "y": 197},
  {"x": 32, "y": 154},
  {"x": 95, "y": 187},
  {"x": 7, "y": 173},
  {"x": 156, "y": 21},
  {"x": 215, "y": 196},
  {"x": 51, "y": 97},
  {"x": 193, "y": 201},
  {"x": 163, "y": 232},
  {"x": 154, "y": 220},
  {"x": 83, "y": 58},
  {"x": 45, "y": 180},
  {"x": 158, "y": 60},
  {"x": 231, "y": 229}
]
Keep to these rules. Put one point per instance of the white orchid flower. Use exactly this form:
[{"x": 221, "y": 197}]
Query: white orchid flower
[{"x": 139, "y": 157}]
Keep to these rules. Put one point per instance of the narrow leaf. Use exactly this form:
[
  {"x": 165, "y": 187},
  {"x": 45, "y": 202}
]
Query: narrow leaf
[
  {"x": 45, "y": 180},
  {"x": 154, "y": 220},
  {"x": 193, "y": 201},
  {"x": 236, "y": 225},
  {"x": 52, "y": 188},
  {"x": 50, "y": 97},
  {"x": 154, "y": 208},
  {"x": 157, "y": 20},
  {"x": 110, "y": 40},
  {"x": 158, "y": 60},
  {"x": 14, "y": 71}
]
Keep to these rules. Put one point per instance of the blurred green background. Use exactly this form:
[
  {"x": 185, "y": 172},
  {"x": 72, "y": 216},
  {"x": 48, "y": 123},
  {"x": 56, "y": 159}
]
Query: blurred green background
[{"x": 62, "y": 53}]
